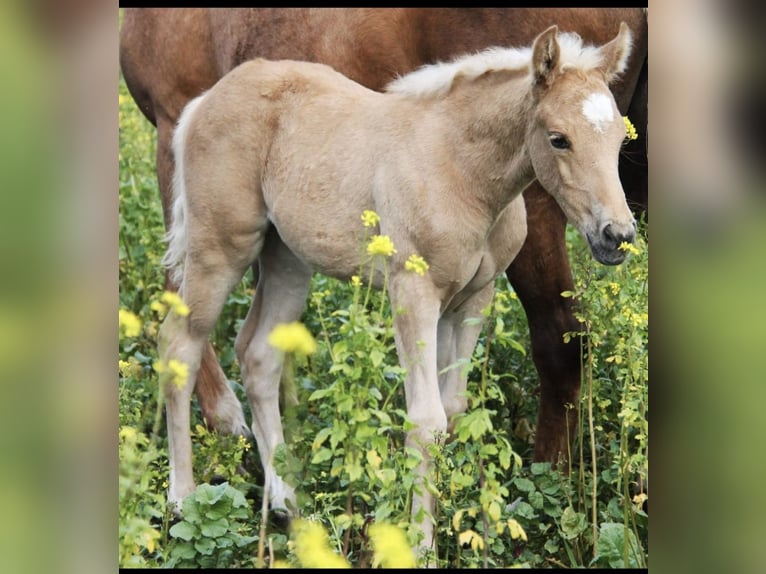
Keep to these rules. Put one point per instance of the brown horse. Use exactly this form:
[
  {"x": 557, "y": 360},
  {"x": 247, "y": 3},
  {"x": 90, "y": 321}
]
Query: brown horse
[
  {"x": 277, "y": 162},
  {"x": 169, "y": 56}
]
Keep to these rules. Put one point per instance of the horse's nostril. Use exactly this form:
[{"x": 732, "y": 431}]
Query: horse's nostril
[
  {"x": 609, "y": 236},
  {"x": 614, "y": 237}
]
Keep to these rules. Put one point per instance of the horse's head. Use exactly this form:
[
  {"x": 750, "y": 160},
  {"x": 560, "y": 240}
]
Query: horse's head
[{"x": 575, "y": 136}]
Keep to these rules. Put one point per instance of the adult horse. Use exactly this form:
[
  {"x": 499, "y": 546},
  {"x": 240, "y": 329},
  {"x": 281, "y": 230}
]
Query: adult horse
[
  {"x": 169, "y": 56},
  {"x": 277, "y": 162}
]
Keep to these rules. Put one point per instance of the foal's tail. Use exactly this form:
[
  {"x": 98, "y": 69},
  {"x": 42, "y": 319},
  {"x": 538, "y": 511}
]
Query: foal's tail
[{"x": 176, "y": 235}]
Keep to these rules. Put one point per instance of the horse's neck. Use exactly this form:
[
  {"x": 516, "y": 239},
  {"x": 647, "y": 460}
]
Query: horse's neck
[{"x": 491, "y": 120}]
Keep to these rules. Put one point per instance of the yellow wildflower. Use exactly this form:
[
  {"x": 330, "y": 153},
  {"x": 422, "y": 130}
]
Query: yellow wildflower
[
  {"x": 292, "y": 338},
  {"x": 632, "y": 134},
  {"x": 172, "y": 300},
  {"x": 176, "y": 371},
  {"x": 312, "y": 546},
  {"x": 128, "y": 433},
  {"x": 381, "y": 245},
  {"x": 370, "y": 218},
  {"x": 416, "y": 264},
  {"x": 176, "y": 303},
  {"x": 625, "y": 246},
  {"x": 390, "y": 547},
  {"x": 130, "y": 324},
  {"x": 356, "y": 281}
]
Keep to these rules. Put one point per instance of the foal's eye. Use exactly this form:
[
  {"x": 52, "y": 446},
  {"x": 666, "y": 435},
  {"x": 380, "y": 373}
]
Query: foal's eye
[{"x": 559, "y": 141}]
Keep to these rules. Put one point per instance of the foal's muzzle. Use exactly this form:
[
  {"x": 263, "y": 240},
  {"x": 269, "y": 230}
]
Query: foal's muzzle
[{"x": 606, "y": 246}]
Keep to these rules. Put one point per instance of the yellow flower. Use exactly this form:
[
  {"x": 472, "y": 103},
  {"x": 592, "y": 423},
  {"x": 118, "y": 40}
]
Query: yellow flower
[
  {"x": 370, "y": 218},
  {"x": 312, "y": 546},
  {"x": 130, "y": 324},
  {"x": 293, "y": 338},
  {"x": 416, "y": 264},
  {"x": 625, "y": 246},
  {"x": 128, "y": 433},
  {"x": 390, "y": 547},
  {"x": 630, "y": 129},
  {"x": 177, "y": 371},
  {"x": 172, "y": 300},
  {"x": 356, "y": 281},
  {"x": 381, "y": 245}
]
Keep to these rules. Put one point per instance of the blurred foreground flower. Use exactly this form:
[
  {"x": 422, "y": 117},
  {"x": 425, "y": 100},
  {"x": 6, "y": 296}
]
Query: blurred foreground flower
[
  {"x": 390, "y": 547},
  {"x": 130, "y": 324},
  {"x": 416, "y": 264},
  {"x": 177, "y": 371},
  {"x": 292, "y": 338},
  {"x": 172, "y": 300},
  {"x": 312, "y": 546}
]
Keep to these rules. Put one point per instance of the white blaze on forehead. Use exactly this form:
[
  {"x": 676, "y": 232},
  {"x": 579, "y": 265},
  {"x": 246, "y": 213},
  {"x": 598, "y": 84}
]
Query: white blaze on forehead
[{"x": 597, "y": 109}]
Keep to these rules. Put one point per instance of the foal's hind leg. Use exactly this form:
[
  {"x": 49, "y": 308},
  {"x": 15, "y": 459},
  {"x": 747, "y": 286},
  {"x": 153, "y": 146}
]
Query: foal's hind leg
[
  {"x": 206, "y": 285},
  {"x": 220, "y": 406},
  {"x": 280, "y": 297},
  {"x": 457, "y": 341}
]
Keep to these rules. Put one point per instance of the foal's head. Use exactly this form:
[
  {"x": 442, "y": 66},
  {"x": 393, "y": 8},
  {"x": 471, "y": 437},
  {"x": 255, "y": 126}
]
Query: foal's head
[{"x": 575, "y": 136}]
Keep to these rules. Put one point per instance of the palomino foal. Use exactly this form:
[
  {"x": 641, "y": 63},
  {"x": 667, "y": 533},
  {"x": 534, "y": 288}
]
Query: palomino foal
[{"x": 278, "y": 160}]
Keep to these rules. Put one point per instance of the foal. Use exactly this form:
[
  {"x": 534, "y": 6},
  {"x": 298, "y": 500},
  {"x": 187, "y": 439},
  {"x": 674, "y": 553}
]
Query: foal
[{"x": 278, "y": 160}]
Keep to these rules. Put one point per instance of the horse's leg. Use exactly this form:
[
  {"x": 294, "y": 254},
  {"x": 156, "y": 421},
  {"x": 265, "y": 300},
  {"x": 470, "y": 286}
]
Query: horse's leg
[
  {"x": 220, "y": 406},
  {"x": 280, "y": 297},
  {"x": 539, "y": 274},
  {"x": 457, "y": 341},
  {"x": 416, "y": 315},
  {"x": 205, "y": 289}
]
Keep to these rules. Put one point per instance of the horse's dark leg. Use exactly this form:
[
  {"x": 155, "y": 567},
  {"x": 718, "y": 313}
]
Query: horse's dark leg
[
  {"x": 220, "y": 407},
  {"x": 539, "y": 274}
]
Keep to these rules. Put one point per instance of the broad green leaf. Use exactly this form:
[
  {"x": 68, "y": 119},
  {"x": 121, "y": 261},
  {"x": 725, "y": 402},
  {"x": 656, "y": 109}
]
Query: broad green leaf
[
  {"x": 215, "y": 528},
  {"x": 204, "y": 546},
  {"x": 573, "y": 523},
  {"x": 184, "y": 531},
  {"x": 611, "y": 545},
  {"x": 322, "y": 455}
]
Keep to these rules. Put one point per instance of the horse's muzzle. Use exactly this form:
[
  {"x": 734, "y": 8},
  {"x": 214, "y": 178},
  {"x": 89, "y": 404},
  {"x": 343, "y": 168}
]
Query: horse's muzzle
[{"x": 606, "y": 246}]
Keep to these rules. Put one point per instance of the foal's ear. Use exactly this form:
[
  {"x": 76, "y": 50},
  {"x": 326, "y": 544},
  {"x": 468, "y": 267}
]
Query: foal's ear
[
  {"x": 615, "y": 54},
  {"x": 545, "y": 55}
]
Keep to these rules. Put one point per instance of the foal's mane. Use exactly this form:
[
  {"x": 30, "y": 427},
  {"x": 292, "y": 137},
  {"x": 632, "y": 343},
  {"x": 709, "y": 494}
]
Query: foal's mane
[{"x": 437, "y": 79}]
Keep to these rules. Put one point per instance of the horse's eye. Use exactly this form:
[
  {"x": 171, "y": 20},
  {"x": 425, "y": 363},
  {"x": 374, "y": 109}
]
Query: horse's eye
[{"x": 559, "y": 141}]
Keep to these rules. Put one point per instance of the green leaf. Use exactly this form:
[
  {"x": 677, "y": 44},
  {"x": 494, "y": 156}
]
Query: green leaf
[
  {"x": 183, "y": 551},
  {"x": 539, "y": 467},
  {"x": 524, "y": 484},
  {"x": 204, "y": 546},
  {"x": 573, "y": 523},
  {"x": 322, "y": 455},
  {"x": 215, "y": 528},
  {"x": 611, "y": 545},
  {"x": 320, "y": 438},
  {"x": 376, "y": 357},
  {"x": 184, "y": 531}
]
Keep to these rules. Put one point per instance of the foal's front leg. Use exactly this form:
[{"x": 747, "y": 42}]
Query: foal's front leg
[{"x": 416, "y": 314}]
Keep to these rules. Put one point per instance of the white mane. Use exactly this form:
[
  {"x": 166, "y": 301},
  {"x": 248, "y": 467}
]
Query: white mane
[{"x": 437, "y": 79}]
